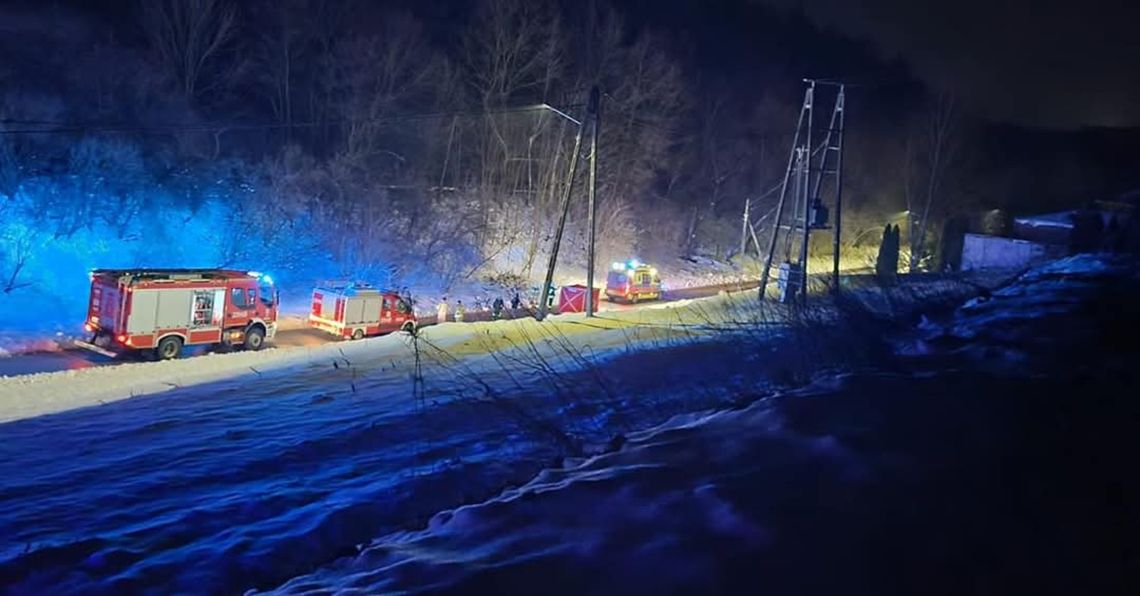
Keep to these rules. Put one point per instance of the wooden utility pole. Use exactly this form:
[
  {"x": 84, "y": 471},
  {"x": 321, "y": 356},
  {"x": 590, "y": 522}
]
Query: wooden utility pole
[
  {"x": 593, "y": 113},
  {"x": 543, "y": 299},
  {"x": 744, "y": 228},
  {"x": 592, "y": 120},
  {"x": 807, "y": 205}
]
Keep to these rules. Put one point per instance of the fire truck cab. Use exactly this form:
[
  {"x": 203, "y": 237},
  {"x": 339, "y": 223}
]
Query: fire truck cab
[
  {"x": 356, "y": 311},
  {"x": 162, "y": 310},
  {"x": 632, "y": 281}
]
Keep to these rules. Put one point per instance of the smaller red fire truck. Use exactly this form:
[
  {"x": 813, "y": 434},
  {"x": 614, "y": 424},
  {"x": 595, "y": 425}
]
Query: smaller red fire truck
[
  {"x": 632, "y": 281},
  {"x": 355, "y": 311},
  {"x": 162, "y": 310}
]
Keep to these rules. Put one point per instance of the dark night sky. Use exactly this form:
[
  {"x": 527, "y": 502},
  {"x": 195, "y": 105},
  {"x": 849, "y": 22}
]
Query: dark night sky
[
  {"x": 1051, "y": 63},
  {"x": 1041, "y": 62}
]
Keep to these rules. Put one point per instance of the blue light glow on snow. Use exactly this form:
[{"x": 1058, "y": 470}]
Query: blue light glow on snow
[{"x": 55, "y": 258}]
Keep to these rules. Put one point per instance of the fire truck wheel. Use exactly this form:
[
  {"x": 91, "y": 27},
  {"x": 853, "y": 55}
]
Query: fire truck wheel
[
  {"x": 169, "y": 348},
  {"x": 408, "y": 327},
  {"x": 255, "y": 339},
  {"x": 358, "y": 334},
  {"x": 633, "y": 299}
]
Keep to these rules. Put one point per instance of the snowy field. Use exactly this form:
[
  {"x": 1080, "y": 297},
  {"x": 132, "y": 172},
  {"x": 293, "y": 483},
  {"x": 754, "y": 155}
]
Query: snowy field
[
  {"x": 941, "y": 478},
  {"x": 245, "y": 471}
]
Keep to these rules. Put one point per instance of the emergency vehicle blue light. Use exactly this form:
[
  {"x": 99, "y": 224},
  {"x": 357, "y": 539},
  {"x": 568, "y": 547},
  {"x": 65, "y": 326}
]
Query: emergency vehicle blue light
[
  {"x": 634, "y": 263},
  {"x": 262, "y": 277},
  {"x": 618, "y": 266}
]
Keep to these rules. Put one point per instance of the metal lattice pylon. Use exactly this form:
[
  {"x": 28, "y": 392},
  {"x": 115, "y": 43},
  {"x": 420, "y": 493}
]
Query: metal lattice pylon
[{"x": 809, "y": 211}]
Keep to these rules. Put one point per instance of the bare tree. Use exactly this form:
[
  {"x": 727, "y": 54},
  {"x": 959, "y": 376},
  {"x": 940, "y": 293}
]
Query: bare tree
[
  {"x": 15, "y": 251},
  {"x": 15, "y": 245},
  {"x": 514, "y": 54},
  {"x": 385, "y": 75},
  {"x": 107, "y": 183},
  {"x": 643, "y": 105},
  {"x": 513, "y": 48},
  {"x": 191, "y": 38},
  {"x": 10, "y": 170},
  {"x": 720, "y": 153},
  {"x": 279, "y": 53},
  {"x": 931, "y": 150}
]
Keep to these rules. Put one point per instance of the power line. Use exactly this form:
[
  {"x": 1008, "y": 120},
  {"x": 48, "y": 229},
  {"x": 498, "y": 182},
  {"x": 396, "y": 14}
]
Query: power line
[
  {"x": 96, "y": 128},
  {"x": 60, "y": 127}
]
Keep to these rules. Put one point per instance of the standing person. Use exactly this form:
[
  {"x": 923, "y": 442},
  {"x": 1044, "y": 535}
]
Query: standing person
[
  {"x": 441, "y": 312},
  {"x": 516, "y": 302},
  {"x": 460, "y": 310},
  {"x": 497, "y": 308}
]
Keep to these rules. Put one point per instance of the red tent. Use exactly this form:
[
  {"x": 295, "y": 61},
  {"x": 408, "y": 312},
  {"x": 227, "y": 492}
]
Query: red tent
[{"x": 573, "y": 299}]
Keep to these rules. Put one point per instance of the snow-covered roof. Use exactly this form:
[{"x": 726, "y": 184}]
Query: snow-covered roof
[
  {"x": 173, "y": 274},
  {"x": 1060, "y": 219},
  {"x": 350, "y": 289}
]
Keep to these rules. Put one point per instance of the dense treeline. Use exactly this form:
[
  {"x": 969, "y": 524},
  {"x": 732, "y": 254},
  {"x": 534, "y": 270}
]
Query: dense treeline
[
  {"x": 322, "y": 138},
  {"x": 342, "y": 125}
]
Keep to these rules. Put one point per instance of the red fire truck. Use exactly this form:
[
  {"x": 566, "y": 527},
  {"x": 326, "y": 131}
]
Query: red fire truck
[
  {"x": 162, "y": 310},
  {"x": 354, "y": 311},
  {"x": 633, "y": 281}
]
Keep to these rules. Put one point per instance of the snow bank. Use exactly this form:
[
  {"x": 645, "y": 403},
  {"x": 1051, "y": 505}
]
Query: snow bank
[
  {"x": 12, "y": 344},
  {"x": 33, "y": 395},
  {"x": 990, "y": 329},
  {"x": 660, "y": 515}
]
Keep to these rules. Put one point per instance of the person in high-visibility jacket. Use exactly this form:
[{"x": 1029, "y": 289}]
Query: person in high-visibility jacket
[
  {"x": 441, "y": 311},
  {"x": 460, "y": 310}
]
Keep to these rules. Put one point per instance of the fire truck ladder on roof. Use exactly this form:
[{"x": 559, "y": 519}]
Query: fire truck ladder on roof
[
  {"x": 172, "y": 274},
  {"x": 809, "y": 212}
]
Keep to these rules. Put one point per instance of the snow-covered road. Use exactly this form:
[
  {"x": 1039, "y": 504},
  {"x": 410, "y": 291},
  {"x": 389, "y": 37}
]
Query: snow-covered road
[
  {"x": 84, "y": 383},
  {"x": 293, "y": 333}
]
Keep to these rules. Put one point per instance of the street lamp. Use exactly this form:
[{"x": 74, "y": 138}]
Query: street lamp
[{"x": 546, "y": 106}]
